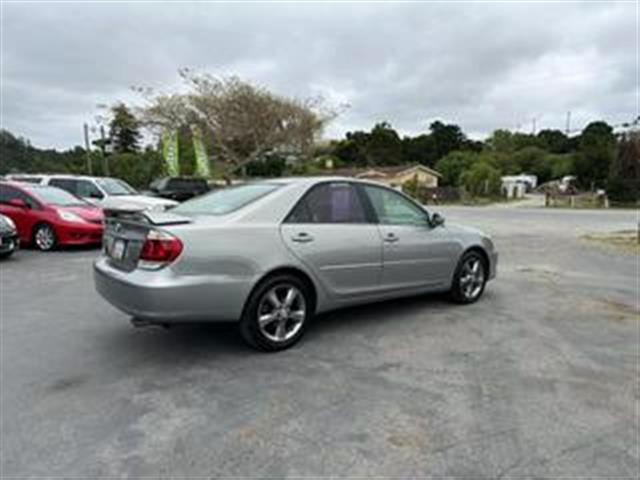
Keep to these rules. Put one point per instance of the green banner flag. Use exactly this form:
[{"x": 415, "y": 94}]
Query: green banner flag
[
  {"x": 203, "y": 169},
  {"x": 170, "y": 152}
]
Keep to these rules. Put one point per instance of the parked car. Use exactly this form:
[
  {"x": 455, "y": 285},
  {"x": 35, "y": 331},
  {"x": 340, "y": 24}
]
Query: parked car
[
  {"x": 106, "y": 192},
  {"x": 9, "y": 241},
  {"x": 47, "y": 217},
  {"x": 179, "y": 188},
  {"x": 272, "y": 254}
]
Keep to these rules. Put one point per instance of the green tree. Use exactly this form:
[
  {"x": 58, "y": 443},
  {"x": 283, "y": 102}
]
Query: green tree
[
  {"x": 482, "y": 180},
  {"x": 561, "y": 165},
  {"x": 384, "y": 146},
  {"x": 453, "y": 165},
  {"x": 124, "y": 129},
  {"x": 446, "y": 138},
  {"x": 554, "y": 141},
  {"x": 533, "y": 160},
  {"x": 623, "y": 184},
  {"x": 419, "y": 149},
  {"x": 596, "y": 151}
]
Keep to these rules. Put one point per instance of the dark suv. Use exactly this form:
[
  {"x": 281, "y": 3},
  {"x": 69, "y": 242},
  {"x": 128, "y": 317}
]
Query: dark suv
[{"x": 179, "y": 188}]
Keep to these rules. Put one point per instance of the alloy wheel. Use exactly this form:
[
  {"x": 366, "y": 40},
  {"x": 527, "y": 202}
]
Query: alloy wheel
[
  {"x": 281, "y": 312},
  {"x": 472, "y": 278},
  {"x": 45, "y": 238}
]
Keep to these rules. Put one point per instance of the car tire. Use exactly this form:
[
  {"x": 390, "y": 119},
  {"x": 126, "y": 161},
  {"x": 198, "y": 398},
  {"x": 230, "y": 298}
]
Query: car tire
[
  {"x": 277, "y": 313},
  {"x": 5, "y": 255},
  {"x": 470, "y": 278},
  {"x": 44, "y": 237}
]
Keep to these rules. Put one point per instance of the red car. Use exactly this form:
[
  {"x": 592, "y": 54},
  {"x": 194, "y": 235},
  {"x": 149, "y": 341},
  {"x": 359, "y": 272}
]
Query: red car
[{"x": 47, "y": 217}]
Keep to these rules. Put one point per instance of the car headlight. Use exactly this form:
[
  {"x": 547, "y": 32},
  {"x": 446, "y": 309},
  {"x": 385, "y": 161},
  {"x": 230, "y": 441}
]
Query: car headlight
[
  {"x": 8, "y": 222},
  {"x": 69, "y": 216}
]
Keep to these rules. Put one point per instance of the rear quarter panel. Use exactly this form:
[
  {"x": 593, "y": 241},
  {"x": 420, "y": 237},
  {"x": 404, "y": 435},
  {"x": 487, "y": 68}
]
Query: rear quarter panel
[{"x": 233, "y": 254}]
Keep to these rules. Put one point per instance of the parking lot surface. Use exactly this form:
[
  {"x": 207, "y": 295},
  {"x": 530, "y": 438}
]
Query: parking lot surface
[{"x": 539, "y": 378}]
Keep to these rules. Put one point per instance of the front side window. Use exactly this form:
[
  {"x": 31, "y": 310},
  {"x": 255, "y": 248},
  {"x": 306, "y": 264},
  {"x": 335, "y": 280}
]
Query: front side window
[
  {"x": 87, "y": 189},
  {"x": 329, "y": 203},
  {"x": 393, "y": 209},
  {"x": 226, "y": 200}
]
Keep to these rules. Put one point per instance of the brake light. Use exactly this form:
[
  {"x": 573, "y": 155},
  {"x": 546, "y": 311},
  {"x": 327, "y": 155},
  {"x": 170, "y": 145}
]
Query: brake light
[{"x": 159, "y": 249}]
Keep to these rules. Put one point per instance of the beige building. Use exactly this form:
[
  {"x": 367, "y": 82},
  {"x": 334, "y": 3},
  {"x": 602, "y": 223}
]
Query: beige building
[{"x": 394, "y": 176}]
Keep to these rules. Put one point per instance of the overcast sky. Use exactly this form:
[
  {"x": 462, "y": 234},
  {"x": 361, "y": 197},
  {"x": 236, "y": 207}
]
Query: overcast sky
[{"x": 480, "y": 65}]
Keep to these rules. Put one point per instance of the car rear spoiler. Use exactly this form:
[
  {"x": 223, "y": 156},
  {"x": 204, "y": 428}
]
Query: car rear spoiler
[{"x": 138, "y": 215}]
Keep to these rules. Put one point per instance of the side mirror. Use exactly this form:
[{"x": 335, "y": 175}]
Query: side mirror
[
  {"x": 18, "y": 202},
  {"x": 437, "y": 220}
]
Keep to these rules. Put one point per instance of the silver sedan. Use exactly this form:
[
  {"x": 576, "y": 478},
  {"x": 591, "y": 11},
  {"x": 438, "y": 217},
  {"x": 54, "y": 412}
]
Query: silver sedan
[{"x": 270, "y": 255}]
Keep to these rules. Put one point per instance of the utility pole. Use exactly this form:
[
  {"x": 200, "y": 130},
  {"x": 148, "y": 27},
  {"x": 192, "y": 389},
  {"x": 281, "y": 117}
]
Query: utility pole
[
  {"x": 103, "y": 145},
  {"x": 87, "y": 148},
  {"x": 568, "y": 127}
]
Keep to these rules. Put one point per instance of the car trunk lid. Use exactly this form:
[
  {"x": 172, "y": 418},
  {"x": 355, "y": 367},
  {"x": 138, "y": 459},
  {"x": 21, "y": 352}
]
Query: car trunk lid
[{"x": 126, "y": 231}]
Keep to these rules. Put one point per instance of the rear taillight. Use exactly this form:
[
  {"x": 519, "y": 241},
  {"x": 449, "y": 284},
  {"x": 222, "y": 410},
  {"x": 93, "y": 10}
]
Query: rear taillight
[{"x": 159, "y": 249}]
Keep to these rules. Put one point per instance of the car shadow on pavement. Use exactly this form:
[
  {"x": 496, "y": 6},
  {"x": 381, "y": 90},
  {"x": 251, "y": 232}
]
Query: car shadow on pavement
[
  {"x": 365, "y": 316},
  {"x": 197, "y": 342}
]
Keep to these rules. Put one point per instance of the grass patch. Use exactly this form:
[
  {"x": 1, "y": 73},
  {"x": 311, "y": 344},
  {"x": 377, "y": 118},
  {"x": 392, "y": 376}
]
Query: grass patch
[{"x": 625, "y": 241}]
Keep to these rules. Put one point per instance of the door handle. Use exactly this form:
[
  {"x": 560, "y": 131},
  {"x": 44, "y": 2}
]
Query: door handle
[
  {"x": 302, "y": 237},
  {"x": 391, "y": 238}
]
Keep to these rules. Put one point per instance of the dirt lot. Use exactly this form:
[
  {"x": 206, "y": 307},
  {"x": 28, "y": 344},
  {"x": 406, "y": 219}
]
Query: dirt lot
[{"x": 540, "y": 378}]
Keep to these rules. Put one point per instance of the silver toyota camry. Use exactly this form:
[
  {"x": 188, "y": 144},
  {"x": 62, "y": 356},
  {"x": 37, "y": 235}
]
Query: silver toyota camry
[{"x": 272, "y": 254}]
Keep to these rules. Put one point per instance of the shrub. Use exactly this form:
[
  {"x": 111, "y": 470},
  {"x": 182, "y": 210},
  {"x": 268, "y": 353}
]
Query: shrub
[{"x": 482, "y": 180}]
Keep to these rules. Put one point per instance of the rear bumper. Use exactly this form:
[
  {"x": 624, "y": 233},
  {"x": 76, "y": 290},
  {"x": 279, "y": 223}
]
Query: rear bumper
[
  {"x": 162, "y": 296},
  {"x": 80, "y": 234}
]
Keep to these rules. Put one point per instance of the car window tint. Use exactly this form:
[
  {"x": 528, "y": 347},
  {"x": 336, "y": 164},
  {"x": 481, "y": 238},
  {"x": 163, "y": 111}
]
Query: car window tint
[
  {"x": 67, "y": 184},
  {"x": 330, "y": 203},
  {"x": 8, "y": 193},
  {"x": 85, "y": 188},
  {"x": 393, "y": 209},
  {"x": 226, "y": 200}
]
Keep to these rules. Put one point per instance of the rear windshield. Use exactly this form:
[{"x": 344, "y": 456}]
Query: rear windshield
[
  {"x": 56, "y": 196},
  {"x": 227, "y": 200}
]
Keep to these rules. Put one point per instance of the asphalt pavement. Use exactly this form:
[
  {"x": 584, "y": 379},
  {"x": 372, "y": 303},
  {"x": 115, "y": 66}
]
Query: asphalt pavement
[{"x": 538, "y": 379}]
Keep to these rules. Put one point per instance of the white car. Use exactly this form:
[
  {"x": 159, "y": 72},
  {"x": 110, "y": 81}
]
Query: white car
[{"x": 105, "y": 192}]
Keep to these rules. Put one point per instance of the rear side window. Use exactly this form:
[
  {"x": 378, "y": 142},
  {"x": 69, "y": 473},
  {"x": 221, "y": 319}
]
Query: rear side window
[
  {"x": 329, "y": 203},
  {"x": 67, "y": 184},
  {"x": 227, "y": 200}
]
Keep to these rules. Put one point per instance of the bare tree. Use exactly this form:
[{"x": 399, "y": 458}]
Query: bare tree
[{"x": 244, "y": 121}]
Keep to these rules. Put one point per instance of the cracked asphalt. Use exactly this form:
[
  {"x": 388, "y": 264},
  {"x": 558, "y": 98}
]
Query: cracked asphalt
[{"x": 538, "y": 379}]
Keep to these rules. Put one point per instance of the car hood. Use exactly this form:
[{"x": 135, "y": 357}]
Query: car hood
[
  {"x": 88, "y": 213},
  {"x": 463, "y": 229},
  {"x": 135, "y": 202}
]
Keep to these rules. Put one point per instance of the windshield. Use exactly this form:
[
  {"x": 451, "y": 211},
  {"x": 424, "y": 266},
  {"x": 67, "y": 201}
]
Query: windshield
[
  {"x": 114, "y": 186},
  {"x": 56, "y": 196},
  {"x": 227, "y": 200}
]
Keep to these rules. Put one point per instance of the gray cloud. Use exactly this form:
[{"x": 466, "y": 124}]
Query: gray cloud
[{"x": 481, "y": 65}]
